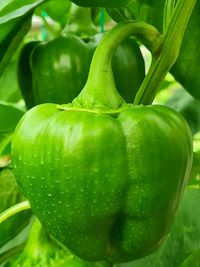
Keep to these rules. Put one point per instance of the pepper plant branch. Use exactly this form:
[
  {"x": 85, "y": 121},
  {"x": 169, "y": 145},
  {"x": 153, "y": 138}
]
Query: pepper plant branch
[
  {"x": 169, "y": 48},
  {"x": 80, "y": 21},
  {"x": 14, "y": 210}
]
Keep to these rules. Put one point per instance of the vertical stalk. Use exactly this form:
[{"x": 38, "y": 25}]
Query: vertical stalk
[
  {"x": 80, "y": 21},
  {"x": 102, "y": 20},
  {"x": 168, "y": 13},
  {"x": 169, "y": 52}
]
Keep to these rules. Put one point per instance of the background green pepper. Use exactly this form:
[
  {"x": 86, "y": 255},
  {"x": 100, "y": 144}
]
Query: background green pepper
[
  {"x": 24, "y": 74},
  {"x": 60, "y": 67}
]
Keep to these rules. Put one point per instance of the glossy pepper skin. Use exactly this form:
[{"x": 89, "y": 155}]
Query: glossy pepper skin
[
  {"x": 60, "y": 69},
  {"x": 104, "y": 177},
  {"x": 102, "y": 3},
  {"x": 105, "y": 186}
]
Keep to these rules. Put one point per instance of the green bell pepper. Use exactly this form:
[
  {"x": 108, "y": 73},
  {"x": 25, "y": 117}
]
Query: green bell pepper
[
  {"x": 24, "y": 74},
  {"x": 104, "y": 177},
  {"x": 59, "y": 68}
]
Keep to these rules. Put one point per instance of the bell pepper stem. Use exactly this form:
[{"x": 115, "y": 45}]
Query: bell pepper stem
[
  {"x": 100, "y": 90},
  {"x": 80, "y": 21},
  {"x": 14, "y": 210},
  {"x": 170, "y": 48}
]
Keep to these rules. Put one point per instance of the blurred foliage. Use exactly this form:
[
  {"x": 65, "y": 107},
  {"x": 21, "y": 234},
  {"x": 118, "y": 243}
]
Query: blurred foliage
[
  {"x": 183, "y": 239},
  {"x": 9, "y": 117},
  {"x": 188, "y": 106},
  {"x": 9, "y": 196},
  {"x": 58, "y": 10},
  {"x": 42, "y": 251},
  {"x": 9, "y": 89}
]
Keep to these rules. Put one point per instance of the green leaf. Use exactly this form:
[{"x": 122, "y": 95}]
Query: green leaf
[
  {"x": 187, "y": 106},
  {"x": 15, "y": 22},
  {"x": 192, "y": 260},
  {"x": 9, "y": 89},
  {"x": 12, "y": 34},
  {"x": 11, "y": 9},
  {"x": 124, "y": 13},
  {"x": 183, "y": 238},
  {"x": 9, "y": 196},
  {"x": 9, "y": 117},
  {"x": 102, "y": 3},
  {"x": 137, "y": 10}
]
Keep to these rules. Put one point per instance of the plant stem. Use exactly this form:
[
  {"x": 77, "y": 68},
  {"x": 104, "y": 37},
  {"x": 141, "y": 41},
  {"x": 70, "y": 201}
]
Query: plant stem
[
  {"x": 168, "y": 13},
  {"x": 102, "y": 19},
  {"x": 14, "y": 210},
  {"x": 100, "y": 90},
  {"x": 80, "y": 21},
  {"x": 169, "y": 52}
]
